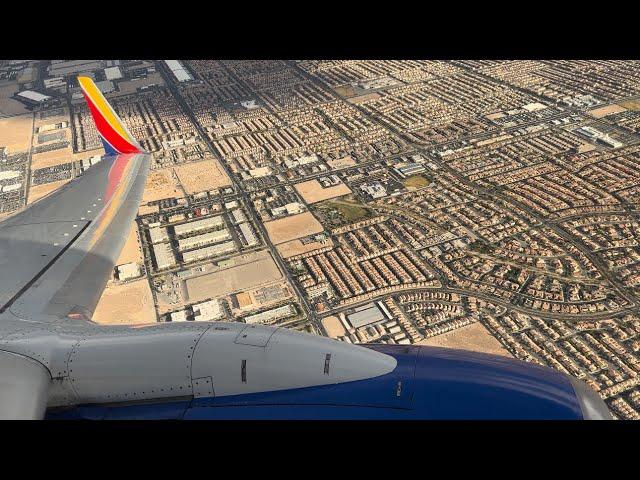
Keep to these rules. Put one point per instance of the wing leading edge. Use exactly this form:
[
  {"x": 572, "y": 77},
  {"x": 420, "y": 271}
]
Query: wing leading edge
[{"x": 57, "y": 255}]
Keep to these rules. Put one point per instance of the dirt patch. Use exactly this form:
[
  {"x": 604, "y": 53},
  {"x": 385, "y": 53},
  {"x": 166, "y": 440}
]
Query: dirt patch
[
  {"x": 472, "y": 337},
  {"x": 131, "y": 251},
  {"x": 606, "y": 111},
  {"x": 345, "y": 91},
  {"x": 313, "y": 192},
  {"x": 343, "y": 162},
  {"x": 160, "y": 184},
  {"x": 51, "y": 158},
  {"x": 15, "y": 132},
  {"x": 39, "y": 191},
  {"x": 126, "y": 304},
  {"x": 364, "y": 98},
  {"x": 333, "y": 326},
  {"x": 296, "y": 247},
  {"x": 201, "y": 176},
  {"x": 290, "y": 228},
  {"x": 257, "y": 269}
]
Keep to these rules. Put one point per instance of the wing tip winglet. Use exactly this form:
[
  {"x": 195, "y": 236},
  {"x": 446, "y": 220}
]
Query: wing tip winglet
[{"x": 113, "y": 133}]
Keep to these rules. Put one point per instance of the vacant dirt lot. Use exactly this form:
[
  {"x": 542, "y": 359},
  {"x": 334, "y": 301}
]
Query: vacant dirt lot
[
  {"x": 472, "y": 337},
  {"x": 131, "y": 252},
  {"x": 296, "y": 247},
  {"x": 201, "y": 176},
  {"x": 256, "y": 269},
  {"x": 608, "y": 110},
  {"x": 343, "y": 162},
  {"x": 15, "y": 132},
  {"x": 290, "y": 228},
  {"x": 130, "y": 303},
  {"x": 160, "y": 184},
  {"x": 333, "y": 326},
  {"x": 312, "y": 191},
  {"x": 39, "y": 191}
]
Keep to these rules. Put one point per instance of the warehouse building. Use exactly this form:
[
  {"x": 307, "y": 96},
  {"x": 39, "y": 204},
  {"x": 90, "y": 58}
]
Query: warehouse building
[
  {"x": 203, "y": 239},
  {"x": 164, "y": 255},
  {"x": 178, "y": 70},
  {"x": 128, "y": 271},
  {"x": 202, "y": 224},
  {"x": 208, "y": 311},
  {"x": 158, "y": 234},
  {"x": 207, "y": 252},
  {"x": 248, "y": 235},
  {"x": 366, "y": 315},
  {"x": 270, "y": 315}
]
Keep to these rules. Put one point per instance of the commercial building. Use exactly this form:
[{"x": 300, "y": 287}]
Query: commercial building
[
  {"x": 128, "y": 271},
  {"x": 178, "y": 70},
  {"x": 207, "y": 252},
  {"x": 366, "y": 315},
  {"x": 203, "y": 239},
  {"x": 409, "y": 169},
  {"x": 273, "y": 314},
  {"x": 158, "y": 234},
  {"x": 202, "y": 224},
  {"x": 247, "y": 233},
  {"x": 164, "y": 255},
  {"x": 113, "y": 73},
  {"x": 32, "y": 97},
  {"x": 208, "y": 311}
]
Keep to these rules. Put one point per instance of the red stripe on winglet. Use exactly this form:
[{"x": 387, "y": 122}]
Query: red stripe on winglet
[{"x": 114, "y": 138}]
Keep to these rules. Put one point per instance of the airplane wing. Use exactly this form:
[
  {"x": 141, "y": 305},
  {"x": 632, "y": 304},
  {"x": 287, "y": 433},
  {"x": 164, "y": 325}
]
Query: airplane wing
[{"x": 56, "y": 256}]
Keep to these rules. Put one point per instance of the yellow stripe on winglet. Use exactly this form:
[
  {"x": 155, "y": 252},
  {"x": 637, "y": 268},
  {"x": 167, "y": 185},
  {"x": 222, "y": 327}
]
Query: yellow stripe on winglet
[{"x": 103, "y": 107}]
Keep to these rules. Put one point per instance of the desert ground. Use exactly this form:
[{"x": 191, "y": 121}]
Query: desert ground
[
  {"x": 38, "y": 191},
  {"x": 608, "y": 110},
  {"x": 364, "y": 98},
  {"x": 15, "y": 132},
  {"x": 160, "y": 184},
  {"x": 290, "y": 228},
  {"x": 343, "y": 162},
  {"x": 333, "y": 326},
  {"x": 201, "y": 176},
  {"x": 256, "y": 269},
  {"x": 471, "y": 337},
  {"x": 312, "y": 191},
  {"x": 126, "y": 304},
  {"x": 131, "y": 252},
  {"x": 296, "y": 247}
]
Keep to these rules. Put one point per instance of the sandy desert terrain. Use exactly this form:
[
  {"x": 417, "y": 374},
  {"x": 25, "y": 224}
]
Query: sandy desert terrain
[
  {"x": 126, "y": 304},
  {"x": 333, "y": 326},
  {"x": 201, "y": 176},
  {"x": 471, "y": 337},
  {"x": 256, "y": 269},
  {"x": 296, "y": 247},
  {"x": 608, "y": 110},
  {"x": 15, "y": 132},
  {"x": 290, "y": 228},
  {"x": 312, "y": 191},
  {"x": 36, "y": 192},
  {"x": 131, "y": 252},
  {"x": 160, "y": 184}
]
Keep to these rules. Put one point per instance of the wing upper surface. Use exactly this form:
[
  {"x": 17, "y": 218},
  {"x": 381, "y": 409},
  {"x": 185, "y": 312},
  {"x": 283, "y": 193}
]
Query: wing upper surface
[{"x": 57, "y": 255}]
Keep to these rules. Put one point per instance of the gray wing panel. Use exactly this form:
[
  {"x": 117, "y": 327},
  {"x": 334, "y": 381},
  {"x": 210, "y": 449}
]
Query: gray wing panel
[{"x": 56, "y": 256}]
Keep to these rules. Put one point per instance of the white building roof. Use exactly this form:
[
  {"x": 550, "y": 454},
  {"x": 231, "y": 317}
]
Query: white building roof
[
  {"x": 35, "y": 96},
  {"x": 113, "y": 73},
  {"x": 178, "y": 70}
]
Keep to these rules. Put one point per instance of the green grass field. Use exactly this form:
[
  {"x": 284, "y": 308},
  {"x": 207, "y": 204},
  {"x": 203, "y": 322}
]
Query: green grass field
[
  {"x": 415, "y": 181},
  {"x": 348, "y": 209}
]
